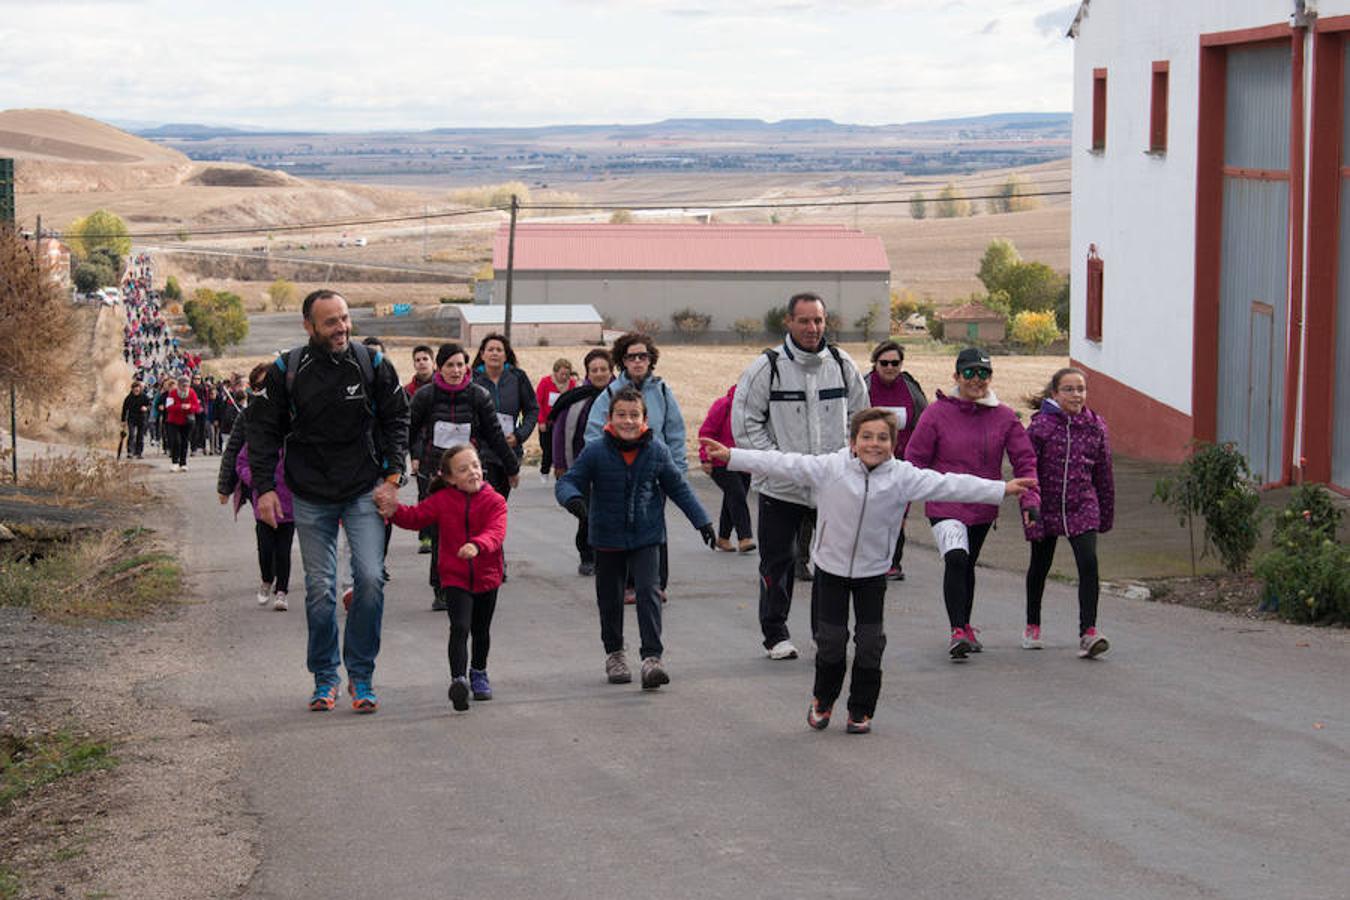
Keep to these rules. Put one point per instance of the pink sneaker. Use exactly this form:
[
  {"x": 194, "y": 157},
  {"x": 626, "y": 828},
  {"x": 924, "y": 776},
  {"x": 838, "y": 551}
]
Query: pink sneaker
[
  {"x": 1031, "y": 638},
  {"x": 1092, "y": 644},
  {"x": 959, "y": 646},
  {"x": 973, "y": 635}
]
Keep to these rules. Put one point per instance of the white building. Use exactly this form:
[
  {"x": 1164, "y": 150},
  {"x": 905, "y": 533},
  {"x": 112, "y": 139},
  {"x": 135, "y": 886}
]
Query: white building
[{"x": 1208, "y": 170}]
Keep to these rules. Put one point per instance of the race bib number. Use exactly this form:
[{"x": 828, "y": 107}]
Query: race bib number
[
  {"x": 508, "y": 423},
  {"x": 901, "y": 416},
  {"x": 553, "y": 398},
  {"x": 445, "y": 435},
  {"x": 168, "y": 401}
]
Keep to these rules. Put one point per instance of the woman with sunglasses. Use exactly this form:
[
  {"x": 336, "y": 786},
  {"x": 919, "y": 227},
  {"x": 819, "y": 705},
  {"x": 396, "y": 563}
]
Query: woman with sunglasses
[
  {"x": 969, "y": 432},
  {"x": 899, "y": 393},
  {"x": 635, "y": 356}
]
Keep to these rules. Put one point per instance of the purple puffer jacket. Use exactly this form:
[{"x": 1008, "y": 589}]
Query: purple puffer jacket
[
  {"x": 283, "y": 492},
  {"x": 955, "y": 435},
  {"x": 1073, "y": 463}
]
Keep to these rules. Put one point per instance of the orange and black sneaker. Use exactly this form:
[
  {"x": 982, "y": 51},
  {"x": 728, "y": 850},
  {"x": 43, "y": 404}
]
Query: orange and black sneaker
[
  {"x": 363, "y": 697},
  {"x": 818, "y": 718},
  {"x": 859, "y": 726},
  {"x": 324, "y": 698}
]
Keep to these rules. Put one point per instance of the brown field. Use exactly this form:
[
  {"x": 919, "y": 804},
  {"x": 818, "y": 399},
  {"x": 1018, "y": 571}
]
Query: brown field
[
  {"x": 699, "y": 375},
  {"x": 70, "y": 165}
]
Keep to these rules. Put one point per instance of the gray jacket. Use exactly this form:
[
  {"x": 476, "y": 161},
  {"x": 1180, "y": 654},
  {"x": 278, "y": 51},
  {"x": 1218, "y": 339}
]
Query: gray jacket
[{"x": 804, "y": 409}]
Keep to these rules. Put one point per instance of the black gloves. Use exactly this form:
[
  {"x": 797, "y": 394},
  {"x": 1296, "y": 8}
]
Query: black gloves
[
  {"x": 709, "y": 536},
  {"x": 577, "y": 507}
]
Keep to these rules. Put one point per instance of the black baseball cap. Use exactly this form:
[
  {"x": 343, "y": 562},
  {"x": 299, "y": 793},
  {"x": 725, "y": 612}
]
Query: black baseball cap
[{"x": 973, "y": 356}]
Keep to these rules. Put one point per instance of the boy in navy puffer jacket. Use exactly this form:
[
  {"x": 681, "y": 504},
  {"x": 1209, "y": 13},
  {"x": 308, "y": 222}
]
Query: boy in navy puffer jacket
[
  {"x": 1073, "y": 463},
  {"x": 626, "y": 474}
]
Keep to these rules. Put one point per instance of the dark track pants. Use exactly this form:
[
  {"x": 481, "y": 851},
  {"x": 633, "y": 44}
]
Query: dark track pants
[
  {"x": 869, "y": 640},
  {"x": 778, "y": 525}
]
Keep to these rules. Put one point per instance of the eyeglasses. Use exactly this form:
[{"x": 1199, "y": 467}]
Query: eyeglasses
[
  {"x": 972, "y": 372},
  {"x": 889, "y": 363},
  {"x": 636, "y": 357}
]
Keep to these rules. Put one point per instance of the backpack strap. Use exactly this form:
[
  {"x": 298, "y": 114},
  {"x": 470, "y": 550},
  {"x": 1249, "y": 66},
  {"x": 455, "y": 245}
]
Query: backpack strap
[{"x": 776, "y": 395}]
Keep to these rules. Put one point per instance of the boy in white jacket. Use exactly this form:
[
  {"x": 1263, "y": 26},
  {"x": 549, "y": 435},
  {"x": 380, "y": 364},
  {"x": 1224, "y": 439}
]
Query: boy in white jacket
[{"x": 861, "y": 495}]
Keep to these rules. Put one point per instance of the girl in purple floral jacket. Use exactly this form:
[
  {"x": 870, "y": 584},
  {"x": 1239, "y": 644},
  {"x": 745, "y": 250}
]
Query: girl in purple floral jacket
[{"x": 1073, "y": 466}]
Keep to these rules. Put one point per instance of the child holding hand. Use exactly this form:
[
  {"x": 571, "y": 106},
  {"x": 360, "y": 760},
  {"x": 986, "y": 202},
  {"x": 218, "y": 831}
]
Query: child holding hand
[
  {"x": 470, "y": 518},
  {"x": 861, "y": 495}
]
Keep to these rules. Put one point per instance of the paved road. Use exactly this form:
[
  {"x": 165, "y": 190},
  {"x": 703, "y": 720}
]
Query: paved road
[
  {"x": 1205, "y": 757},
  {"x": 270, "y": 332}
]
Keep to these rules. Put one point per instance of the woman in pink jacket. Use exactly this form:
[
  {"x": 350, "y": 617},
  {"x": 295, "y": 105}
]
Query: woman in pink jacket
[
  {"x": 969, "y": 432},
  {"x": 735, "y": 485}
]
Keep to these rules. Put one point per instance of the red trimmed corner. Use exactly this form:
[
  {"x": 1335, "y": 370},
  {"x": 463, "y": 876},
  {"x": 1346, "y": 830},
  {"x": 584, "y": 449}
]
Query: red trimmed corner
[{"x": 1140, "y": 426}]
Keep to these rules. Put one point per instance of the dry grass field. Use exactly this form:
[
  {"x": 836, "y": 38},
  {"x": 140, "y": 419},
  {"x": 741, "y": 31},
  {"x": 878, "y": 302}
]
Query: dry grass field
[{"x": 699, "y": 375}]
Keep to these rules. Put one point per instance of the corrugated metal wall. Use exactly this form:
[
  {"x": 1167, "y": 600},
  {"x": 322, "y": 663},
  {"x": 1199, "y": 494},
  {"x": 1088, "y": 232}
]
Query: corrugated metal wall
[
  {"x": 1253, "y": 301},
  {"x": 1340, "y": 434}
]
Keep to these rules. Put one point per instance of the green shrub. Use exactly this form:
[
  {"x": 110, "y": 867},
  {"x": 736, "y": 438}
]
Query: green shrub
[
  {"x": 746, "y": 329},
  {"x": 1307, "y": 571},
  {"x": 690, "y": 322},
  {"x": 1215, "y": 485},
  {"x": 775, "y": 320}
]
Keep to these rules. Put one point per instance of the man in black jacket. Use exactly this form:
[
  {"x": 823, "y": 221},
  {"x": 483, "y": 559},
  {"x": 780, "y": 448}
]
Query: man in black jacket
[
  {"x": 342, "y": 416},
  {"x": 135, "y": 408}
]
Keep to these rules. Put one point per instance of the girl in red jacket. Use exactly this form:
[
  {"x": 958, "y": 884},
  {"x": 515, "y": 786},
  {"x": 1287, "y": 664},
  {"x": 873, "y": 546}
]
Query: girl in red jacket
[{"x": 470, "y": 518}]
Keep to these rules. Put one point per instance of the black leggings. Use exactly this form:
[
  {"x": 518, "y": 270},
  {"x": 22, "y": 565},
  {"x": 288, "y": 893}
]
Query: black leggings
[
  {"x": 470, "y": 615},
  {"x": 1085, "y": 555},
  {"x": 958, "y": 581},
  {"x": 274, "y": 554},
  {"x": 735, "y": 510},
  {"x": 869, "y": 640}
]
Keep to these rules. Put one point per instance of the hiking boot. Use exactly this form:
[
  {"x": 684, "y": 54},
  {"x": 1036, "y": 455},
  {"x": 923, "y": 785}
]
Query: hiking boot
[
  {"x": 724, "y": 544},
  {"x": 264, "y": 595},
  {"x": 782, "y": 650},
  {"x": 438, "y": 603},
  {"x": 482, "y": 688},
  {"x": 973, "y": 635},
  {"x": 653, "y": 673},
  {"x": 586, "y": 569},
  {"x": 746, "y": 545},
  {"x": 279, "y": 604},
  {"x": 858, "y": 726},
  {"x": 1092, "y": 644},
  {"x": 459, "y": 693},
  {"x": 1031, "y": 638},
  {"x": 616, "y": 668},
  {"x": 959, "y": 646},
  {"x": 818, "y": 718},
  {"x": 363, "y": 697},
  {"x": 895, "y": 573},
  {"x": 324, "y": 697},
  {"x": 424, "y": 545}
]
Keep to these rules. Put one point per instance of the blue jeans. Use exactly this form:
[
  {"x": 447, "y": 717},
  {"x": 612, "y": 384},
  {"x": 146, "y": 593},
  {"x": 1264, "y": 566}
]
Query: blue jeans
[{"x": 316, "y": 525}]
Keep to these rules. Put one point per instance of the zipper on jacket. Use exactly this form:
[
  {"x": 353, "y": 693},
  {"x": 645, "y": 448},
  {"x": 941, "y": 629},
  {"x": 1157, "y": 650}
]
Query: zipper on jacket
[
  {"x": 1064, "y": 488},
  {"x": 468, "y": 498},
  {"x": 862, "y": 514}
]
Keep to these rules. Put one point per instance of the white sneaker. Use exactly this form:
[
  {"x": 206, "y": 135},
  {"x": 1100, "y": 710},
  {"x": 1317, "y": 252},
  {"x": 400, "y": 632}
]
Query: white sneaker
[
  {"x": 280, "y": 603},
  {"x": 264, "y": 595},
  {"x": 543, "y": 478},
  {"x": 173, "y": 467},
  {"x": 1031, "y": 638},
  {"x": 782, "y": 650}
]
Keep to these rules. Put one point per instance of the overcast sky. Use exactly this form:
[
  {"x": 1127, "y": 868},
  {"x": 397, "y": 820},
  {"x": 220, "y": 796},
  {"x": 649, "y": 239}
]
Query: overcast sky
[{"x": 344, "y": 65}]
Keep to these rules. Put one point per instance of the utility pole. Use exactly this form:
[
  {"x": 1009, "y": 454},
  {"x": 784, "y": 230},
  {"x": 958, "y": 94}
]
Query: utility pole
[
  {"x": 425, "y": 210},
  {"x": 7, "y": 221},
  {"x": 510, "y": 263}
]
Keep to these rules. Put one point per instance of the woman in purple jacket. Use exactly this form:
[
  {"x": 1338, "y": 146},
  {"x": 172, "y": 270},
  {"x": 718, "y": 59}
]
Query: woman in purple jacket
[
  {"x": 969, "y": 433},
  {"x": 1073, "y": 464}
]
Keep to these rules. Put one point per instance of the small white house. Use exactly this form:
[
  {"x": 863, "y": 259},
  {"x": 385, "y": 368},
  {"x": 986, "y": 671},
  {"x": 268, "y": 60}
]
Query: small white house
[
  {"x": 1209, "y": 172},
  {"x": 531, "y": 324}
]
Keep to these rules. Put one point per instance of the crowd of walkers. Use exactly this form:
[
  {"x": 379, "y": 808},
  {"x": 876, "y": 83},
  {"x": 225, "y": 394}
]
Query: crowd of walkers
[
  {"x": 171, "y": 404},
  {"x": 829, "y": 451}
]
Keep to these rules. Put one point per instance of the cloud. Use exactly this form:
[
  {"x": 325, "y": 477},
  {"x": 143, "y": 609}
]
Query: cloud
[
  {"x": 1056, "y": 21},
  {"x": 990, "y": 28}
]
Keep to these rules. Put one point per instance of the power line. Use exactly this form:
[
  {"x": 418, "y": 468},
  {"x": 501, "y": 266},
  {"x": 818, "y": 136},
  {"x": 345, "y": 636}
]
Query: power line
[{"x": 792, "y": 203}]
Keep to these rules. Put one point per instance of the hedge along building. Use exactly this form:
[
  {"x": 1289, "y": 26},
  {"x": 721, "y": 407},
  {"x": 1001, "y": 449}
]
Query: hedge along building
[
  {"x": 644, "y": 273},
  {"x": 1209, "y": 172}
]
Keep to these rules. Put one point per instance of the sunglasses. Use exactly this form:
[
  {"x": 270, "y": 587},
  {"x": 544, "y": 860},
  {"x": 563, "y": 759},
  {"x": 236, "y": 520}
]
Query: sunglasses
[
  {"x": 636, "y": 357},
  {"x": 889, "y": 363},
  {"x": 971, "y": 372}
]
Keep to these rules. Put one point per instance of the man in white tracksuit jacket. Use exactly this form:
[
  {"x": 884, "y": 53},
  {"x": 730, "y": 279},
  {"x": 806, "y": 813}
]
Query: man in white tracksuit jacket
[{"x": 797, "y": 398}]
